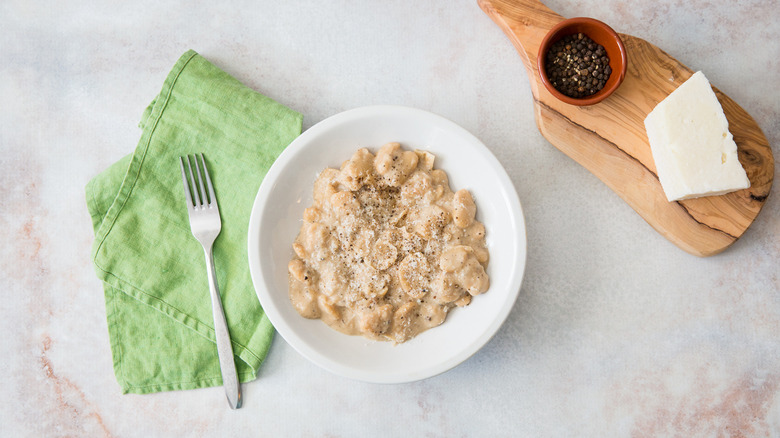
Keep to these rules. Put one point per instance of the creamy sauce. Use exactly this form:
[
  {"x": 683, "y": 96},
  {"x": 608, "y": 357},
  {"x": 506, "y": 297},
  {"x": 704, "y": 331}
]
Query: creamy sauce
[{"x": 387, "y": 249}]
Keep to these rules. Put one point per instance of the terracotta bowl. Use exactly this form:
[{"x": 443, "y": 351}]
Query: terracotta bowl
[{"x": 599, "y": 33}]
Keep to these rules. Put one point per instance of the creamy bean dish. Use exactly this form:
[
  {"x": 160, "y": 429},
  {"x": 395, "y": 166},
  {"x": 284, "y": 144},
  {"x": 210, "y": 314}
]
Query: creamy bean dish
[{"x": 387, "y": 249}]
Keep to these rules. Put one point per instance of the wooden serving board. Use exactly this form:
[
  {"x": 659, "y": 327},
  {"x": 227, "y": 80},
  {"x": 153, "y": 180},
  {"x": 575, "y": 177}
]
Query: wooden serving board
[{"x": 609, "y": 138}]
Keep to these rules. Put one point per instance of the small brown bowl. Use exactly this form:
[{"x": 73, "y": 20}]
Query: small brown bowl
[{"x": 601, "y": 34}]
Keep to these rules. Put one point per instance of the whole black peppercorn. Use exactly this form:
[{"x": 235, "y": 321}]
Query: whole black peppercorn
[{"x": 577, "y": 66}]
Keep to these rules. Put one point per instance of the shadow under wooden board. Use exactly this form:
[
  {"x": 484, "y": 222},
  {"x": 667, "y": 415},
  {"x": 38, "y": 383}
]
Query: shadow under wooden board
[{"x": 609, "y": 138}]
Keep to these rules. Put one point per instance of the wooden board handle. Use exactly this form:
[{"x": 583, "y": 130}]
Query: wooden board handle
[
  {"x": 609, "y": 138},
  {"x": 526, "y": 22}
]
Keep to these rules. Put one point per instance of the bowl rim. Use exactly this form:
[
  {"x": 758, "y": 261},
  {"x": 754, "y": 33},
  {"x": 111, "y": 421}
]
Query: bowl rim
[
  {"x": 261, "y": 284},
  {"x": 551, "y": 37}
]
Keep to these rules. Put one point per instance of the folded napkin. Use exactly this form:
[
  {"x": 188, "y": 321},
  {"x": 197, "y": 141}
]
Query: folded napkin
[{"x": 157, "y": 298}]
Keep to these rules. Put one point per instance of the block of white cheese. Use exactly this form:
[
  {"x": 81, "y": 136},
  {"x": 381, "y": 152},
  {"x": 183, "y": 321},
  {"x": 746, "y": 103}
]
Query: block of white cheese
[{"x": 694, "y": 152}]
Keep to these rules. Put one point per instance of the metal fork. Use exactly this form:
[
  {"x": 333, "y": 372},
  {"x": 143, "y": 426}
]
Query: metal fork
[{"x": 206, "y": 225}]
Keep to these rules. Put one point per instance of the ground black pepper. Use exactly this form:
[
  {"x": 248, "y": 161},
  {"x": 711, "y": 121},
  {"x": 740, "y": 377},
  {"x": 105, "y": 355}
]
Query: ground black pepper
[{"x": 577, "y": 66}]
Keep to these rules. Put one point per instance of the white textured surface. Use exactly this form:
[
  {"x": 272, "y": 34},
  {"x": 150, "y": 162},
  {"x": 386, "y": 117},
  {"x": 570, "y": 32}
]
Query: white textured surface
[{"x": 616, "y": 332}]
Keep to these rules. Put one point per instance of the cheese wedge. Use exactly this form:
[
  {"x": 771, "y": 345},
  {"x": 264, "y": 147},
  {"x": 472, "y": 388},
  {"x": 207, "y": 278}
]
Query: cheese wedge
[{"x": 694, "y": 152}]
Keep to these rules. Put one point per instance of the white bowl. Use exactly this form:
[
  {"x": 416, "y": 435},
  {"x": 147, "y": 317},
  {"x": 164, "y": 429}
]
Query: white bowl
[{"x": 287, "y": 189}]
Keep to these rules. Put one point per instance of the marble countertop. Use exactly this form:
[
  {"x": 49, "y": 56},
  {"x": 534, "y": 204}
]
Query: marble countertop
[{"x": 616, "y": 332}]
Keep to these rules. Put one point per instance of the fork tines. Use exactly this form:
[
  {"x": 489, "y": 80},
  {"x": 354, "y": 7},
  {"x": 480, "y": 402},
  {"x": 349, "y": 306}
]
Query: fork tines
[{"x": 193, "y": 182}]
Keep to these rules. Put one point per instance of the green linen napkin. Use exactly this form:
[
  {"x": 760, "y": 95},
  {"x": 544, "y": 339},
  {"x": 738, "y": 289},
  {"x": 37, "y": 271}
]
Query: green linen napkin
[{"x": 156, "y": 292}]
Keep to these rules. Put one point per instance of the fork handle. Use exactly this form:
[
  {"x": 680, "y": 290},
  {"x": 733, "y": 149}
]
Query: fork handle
[{"x": 224, "y": 349}]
